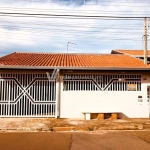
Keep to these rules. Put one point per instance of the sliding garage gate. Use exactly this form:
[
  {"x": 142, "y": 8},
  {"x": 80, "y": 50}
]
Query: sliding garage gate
[{"x": 27, "y": 95}]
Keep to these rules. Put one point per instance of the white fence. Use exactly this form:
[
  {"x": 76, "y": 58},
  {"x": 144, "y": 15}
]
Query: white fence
[{"x": 27, "y": 95}]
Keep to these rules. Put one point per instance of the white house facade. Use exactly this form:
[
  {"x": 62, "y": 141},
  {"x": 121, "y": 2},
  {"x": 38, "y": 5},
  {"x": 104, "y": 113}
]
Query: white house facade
[{"x": 72, "y": 85}]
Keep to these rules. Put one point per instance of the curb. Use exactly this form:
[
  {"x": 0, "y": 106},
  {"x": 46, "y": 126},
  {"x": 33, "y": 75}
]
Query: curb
[{"x": 63, "y": 129}]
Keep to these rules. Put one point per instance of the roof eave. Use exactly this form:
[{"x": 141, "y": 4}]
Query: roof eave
[{"x": 73, "y": 68}]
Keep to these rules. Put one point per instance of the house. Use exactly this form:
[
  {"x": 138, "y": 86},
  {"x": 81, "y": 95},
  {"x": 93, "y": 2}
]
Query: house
[
  {"x": 133, "y": 53},
  {"x": 74, "y": 85}
]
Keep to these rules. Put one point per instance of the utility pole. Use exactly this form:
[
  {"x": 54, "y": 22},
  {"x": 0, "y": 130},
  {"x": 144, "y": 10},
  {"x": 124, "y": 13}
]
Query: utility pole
[{"x": 145, "y": 40}]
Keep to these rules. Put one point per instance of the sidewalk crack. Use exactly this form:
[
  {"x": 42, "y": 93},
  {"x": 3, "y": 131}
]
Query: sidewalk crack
[{"x": 71, "y": 140}]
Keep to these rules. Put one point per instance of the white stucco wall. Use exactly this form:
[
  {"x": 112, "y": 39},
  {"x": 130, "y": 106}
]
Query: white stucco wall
[{"x": 73, "y": 103}]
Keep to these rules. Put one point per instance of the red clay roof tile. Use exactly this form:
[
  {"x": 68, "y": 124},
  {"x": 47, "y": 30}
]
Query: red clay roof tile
[
  {"x": 71, "y": 60},
  {"x": 130, "y": 52}
]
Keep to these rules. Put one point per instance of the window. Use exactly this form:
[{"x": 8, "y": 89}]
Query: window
[{"x": 101, "y": 82}]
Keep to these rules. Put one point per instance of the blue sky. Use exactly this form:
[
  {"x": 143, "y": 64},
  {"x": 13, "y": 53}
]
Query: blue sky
[{"x": 52, "y": 34}]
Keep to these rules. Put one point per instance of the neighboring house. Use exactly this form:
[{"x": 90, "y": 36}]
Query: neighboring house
[
  {"x": 133, "y": 53},
  {"x": 95, "y": 83}
]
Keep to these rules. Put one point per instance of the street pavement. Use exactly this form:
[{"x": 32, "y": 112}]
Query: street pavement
[
  {"x": 108, "y": 141},
  {"x": 144, "y": 135},
  {"x": 102, "y": 140}
]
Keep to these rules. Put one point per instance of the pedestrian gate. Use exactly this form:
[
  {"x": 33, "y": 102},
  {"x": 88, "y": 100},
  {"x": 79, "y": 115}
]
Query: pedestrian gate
[{"x": 27, "y": 95}]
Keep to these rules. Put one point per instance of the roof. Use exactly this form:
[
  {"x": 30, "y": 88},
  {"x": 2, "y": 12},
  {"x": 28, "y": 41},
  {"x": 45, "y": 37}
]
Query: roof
[
  {"x": 136, "y": 53},
  {"x": 80, "y": 61}
]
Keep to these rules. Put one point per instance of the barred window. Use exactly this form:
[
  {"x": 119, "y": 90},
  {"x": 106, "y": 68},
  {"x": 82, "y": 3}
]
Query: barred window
[{"x": 101, "y": 82}]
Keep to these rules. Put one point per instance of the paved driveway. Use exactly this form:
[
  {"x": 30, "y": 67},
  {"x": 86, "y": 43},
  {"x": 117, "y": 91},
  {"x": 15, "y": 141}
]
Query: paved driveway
[{"x": 103, "y": 140}]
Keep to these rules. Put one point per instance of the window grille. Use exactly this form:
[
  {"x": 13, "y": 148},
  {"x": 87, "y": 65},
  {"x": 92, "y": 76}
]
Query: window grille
[{"x": 101, "y": 82}]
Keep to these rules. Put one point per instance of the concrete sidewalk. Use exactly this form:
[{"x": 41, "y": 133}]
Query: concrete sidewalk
[{"x": 51, "y": 124}]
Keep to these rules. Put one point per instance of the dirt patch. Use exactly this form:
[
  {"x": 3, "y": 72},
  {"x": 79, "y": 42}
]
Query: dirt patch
[
  {"x": 92, "y": 125},
  {"x": 58, "y": 123},
  {"x": 22, "y": 123},
  {"x": 49, "y": 124}
]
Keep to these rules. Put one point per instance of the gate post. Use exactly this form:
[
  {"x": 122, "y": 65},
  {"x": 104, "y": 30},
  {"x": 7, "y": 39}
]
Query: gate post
[{"x": 57, "y": 112}]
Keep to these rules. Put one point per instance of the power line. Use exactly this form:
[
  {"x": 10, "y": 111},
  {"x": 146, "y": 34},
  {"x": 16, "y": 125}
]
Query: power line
[
  {"x": 79, "y": 36},
  {"x": 91, "y": 26},
  {"x": 60, "y": 10},
  {"x": 42, "y": 33},
  {"x": 58, "y": 15},
  {"x": 52, "y": 22},
  {"x": 56, "y": 29},
  {"x": 89, "y": 2}
]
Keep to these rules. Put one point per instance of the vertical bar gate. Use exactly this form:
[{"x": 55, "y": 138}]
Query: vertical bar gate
[{"x": 27, "y": 95}]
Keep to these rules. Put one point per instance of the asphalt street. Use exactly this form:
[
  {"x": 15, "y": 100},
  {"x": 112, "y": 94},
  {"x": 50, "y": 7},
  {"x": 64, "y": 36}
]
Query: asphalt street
[{"x": 102, "y": 140}]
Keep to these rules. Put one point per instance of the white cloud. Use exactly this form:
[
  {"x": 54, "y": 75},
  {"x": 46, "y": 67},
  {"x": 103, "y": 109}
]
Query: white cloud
[{"x": 52, "y": 34}]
